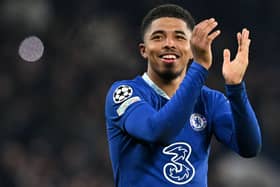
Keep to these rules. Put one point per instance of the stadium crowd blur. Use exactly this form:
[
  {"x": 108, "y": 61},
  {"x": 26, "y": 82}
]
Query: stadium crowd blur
[{"x": 52, "y": 131}]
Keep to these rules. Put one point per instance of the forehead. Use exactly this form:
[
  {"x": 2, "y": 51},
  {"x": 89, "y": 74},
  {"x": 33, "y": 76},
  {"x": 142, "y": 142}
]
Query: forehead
[{"x": 168, "y": 24}]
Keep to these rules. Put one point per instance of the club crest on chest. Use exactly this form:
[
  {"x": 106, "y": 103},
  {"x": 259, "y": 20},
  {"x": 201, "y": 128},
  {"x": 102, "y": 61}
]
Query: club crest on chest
[{"x": 198, "y": 122}]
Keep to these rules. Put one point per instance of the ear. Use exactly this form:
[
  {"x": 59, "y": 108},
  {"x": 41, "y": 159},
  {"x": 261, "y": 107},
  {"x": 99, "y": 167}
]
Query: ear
[{"x": 142, "y": 49}]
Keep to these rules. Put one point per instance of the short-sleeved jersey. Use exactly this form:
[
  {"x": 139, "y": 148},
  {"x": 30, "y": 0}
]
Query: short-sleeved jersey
[{"x": 140, "y": 157}]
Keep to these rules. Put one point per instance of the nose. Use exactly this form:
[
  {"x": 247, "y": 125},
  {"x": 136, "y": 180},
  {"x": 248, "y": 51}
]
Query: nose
[{"x": 169, "y": 43}]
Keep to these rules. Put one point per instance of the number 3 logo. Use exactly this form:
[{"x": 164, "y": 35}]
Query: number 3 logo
[{"x": 179, "y": 170}]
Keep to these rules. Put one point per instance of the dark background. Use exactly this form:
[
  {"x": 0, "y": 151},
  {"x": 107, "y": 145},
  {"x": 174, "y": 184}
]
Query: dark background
[{"x": 52, "y": 129}]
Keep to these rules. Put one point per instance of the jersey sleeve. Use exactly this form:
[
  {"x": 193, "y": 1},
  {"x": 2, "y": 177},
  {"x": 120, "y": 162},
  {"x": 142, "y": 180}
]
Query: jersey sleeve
[
  {"x": 235, "y": 122},
  {"x": 134, "y": 116}
]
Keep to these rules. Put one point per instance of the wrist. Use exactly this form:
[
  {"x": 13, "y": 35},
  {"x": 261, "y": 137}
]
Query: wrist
[
  {"x": 205, "y": 64},
  {"x": 233, "y": 82}
]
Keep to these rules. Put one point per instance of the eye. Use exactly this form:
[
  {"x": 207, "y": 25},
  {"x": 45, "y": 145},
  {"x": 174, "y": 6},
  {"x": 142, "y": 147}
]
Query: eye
[
  {"x": 156, "y": 37},
  {"x": 181, "y": 37}
]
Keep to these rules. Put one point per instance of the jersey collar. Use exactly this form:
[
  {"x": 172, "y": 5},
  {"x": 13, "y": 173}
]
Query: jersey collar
[{"x": 157, "y": 89}]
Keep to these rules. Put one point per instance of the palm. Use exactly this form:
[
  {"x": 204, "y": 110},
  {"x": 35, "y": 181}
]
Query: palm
[{"x": 233, "y": 71}]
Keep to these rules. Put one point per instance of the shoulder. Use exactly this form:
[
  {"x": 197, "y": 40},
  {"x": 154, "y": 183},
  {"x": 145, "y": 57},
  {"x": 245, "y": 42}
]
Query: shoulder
[
  {"x": 122, "y": 94},
  {"x": 124, "y": 89}
]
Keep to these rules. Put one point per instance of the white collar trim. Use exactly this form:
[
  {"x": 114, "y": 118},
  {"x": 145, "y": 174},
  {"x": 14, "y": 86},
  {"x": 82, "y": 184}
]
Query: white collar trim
[{"x": 157, "y": 89}]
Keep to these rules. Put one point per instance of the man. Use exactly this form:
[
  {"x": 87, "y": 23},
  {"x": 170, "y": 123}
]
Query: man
[{"x": 159, "y": 125}]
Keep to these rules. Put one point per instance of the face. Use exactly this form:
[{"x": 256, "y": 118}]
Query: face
[{"x": 167, "y": 48}]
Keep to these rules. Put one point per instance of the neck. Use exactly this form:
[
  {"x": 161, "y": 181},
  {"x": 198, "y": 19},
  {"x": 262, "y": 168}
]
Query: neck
[{"x": 168, "y": 86}]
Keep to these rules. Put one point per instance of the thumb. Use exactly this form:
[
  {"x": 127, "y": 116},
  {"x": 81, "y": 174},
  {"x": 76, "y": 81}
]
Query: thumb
[{"x": 226, "y": 56}]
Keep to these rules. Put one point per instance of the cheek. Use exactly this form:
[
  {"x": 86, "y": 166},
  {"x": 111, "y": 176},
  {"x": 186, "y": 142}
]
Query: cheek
[{"x": 152, "y": 52}]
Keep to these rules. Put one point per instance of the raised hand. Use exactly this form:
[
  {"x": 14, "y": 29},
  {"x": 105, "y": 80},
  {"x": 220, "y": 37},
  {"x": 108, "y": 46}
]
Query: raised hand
[
  {"x": 233, "y": 71},
  {"x": 201, "y": 40}
]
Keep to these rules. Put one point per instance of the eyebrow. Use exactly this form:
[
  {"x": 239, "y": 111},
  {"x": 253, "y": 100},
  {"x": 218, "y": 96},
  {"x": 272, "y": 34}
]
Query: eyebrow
[
  {"x": 158, "y": 32},
  {"x": 180, "y": 32},
  {"x": 162, "y": 32}
]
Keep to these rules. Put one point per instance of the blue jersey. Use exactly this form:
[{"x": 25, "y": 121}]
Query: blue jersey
[{"x": 155, "y": 140}]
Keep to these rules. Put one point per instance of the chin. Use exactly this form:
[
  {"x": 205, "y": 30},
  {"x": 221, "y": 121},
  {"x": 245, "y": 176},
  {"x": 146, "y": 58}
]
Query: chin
[{"x": 170, "y": 75}]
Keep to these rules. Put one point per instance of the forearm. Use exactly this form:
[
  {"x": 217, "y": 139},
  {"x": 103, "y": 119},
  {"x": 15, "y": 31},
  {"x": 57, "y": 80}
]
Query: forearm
[
  {"x": 246, "y": 127},
  {"x": 169, "y": 120}
]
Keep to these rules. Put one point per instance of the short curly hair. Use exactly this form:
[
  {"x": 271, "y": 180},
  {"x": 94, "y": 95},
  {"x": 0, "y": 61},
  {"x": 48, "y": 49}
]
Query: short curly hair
[{"x": 166, "y": 10}]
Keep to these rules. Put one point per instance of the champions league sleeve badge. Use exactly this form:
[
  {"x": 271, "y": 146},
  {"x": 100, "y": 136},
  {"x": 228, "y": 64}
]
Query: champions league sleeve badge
[
  {"x": 122, "y": 93},
  {"x": 198, "y": 122}
]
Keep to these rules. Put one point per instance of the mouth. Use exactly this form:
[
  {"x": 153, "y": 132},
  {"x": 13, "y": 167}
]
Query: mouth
[{"x": 169, "y": 58}]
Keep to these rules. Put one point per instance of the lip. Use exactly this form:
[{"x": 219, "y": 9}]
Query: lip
[
  {"x": 169, "y": 60},
  {"x": 173, "y": 53}
]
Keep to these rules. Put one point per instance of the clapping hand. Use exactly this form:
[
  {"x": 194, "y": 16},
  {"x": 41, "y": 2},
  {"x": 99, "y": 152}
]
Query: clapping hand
[
  {"x": 201, "y": 41},
  {"x": 233, "y": 71}
]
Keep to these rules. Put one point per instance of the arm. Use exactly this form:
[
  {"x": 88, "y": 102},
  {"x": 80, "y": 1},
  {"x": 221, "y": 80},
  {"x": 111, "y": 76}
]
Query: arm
[
  {"x": 246, "y": 137},
  {"x": 234, "y": 121},
  {"x": 143, "y": 122}
]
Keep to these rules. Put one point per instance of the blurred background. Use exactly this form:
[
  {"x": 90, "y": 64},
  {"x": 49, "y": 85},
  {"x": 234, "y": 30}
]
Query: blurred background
[{"x": 52, "y": 129}]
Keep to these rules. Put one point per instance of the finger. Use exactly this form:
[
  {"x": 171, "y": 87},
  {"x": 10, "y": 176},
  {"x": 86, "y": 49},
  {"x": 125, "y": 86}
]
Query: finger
[
  {"x": 214, "y": 35},
  {"x": 205, "y": 27},
  {"x": 245, "y": 34},
  {"x": 249, "y": 42},
  {"x": 238, "y": 37},
  {"x": 199, "y": 27},
  {"x": 207, "y": 23},
  {"x": 244, "y": 40},
  {"x": 211, "y": 24},
  {"x": 203, "y": 23},
  {"x": 245, "y": 49},
  {"x": 226, "y": 55}
]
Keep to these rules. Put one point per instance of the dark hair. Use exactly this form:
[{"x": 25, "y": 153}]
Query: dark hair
[{"x": 166, "y": 10}]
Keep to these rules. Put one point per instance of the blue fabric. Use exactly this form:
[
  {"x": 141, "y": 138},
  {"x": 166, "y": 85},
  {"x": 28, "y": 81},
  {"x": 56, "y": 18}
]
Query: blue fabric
[{"x": 154, "y": 141}]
